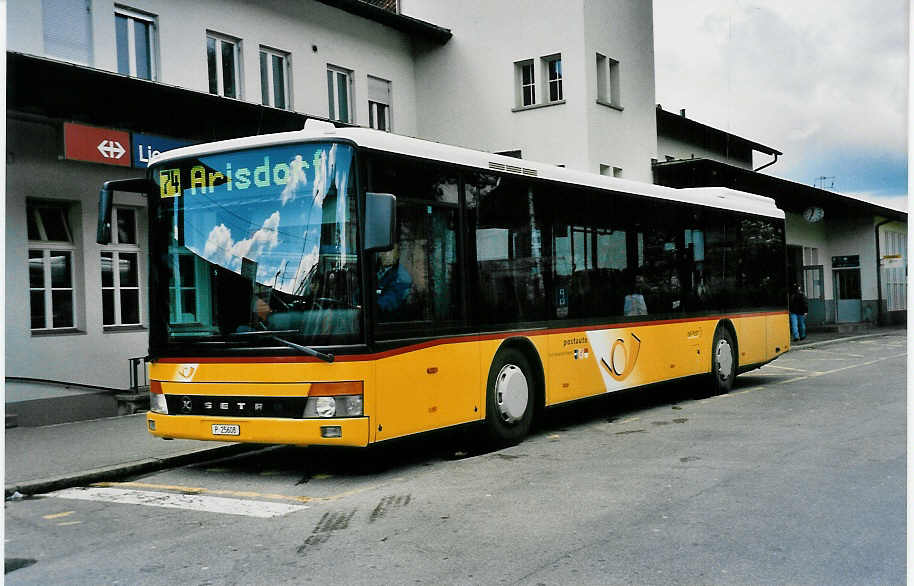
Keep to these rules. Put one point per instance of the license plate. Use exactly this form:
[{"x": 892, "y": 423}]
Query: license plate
[{"x": 224, "y": 429}]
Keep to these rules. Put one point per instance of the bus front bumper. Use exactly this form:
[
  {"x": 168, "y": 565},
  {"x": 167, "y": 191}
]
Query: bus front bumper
[{"x": 262, "y": 430}]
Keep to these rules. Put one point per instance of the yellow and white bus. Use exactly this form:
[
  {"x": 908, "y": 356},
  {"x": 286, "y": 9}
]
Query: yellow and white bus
[{"x": 348, "y": 286}]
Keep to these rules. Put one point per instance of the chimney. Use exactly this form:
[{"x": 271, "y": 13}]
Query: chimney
[{"x": 682, "y": 113}]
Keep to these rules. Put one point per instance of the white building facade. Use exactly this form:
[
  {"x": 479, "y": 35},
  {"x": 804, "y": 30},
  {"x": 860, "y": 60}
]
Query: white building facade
[{"x": 96, "y": 86}]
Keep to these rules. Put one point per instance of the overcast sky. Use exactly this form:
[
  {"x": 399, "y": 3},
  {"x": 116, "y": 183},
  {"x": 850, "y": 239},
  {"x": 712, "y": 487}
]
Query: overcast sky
[{"x": 823, "y": 81}]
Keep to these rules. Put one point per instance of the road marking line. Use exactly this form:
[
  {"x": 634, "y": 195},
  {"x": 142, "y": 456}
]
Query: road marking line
[
  {"x": 838, "y": 353},
  {"x": 843, "y": 368},
  {"x": 68, "y": 523},
  {"x": 786, "y": 368},
  {"x": 236, "y": 493},
  {"x": 209, "y": 504},
  {"x": 58, "y": 515},
  {"x": 201, "y": 490}
]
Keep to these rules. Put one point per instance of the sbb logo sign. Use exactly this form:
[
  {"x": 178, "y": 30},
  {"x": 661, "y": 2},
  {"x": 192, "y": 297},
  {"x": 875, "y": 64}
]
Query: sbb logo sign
[{"x": 96, "y": 145}]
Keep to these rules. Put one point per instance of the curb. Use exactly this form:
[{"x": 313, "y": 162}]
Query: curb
[
  {"x": 109, "y": 473},
  {"x": 837, "y": 340}
]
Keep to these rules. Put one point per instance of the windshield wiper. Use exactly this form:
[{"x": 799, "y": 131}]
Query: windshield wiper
[{"x": 275, "y": 335}]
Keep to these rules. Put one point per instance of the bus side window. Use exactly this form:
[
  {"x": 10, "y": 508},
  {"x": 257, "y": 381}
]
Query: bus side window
[
  {"x": 509, "y": 258},
  {"x": 416, "y": 282}
]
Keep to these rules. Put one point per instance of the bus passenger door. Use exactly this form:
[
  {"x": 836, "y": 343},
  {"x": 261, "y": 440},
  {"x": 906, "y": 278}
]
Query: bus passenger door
[{"x": 428, "y": 374}]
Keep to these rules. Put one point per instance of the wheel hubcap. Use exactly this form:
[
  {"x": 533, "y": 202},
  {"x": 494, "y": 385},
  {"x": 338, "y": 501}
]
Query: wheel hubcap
[
  {"x": 511, "y": 393},
  {"x": 724, "y": 360}
]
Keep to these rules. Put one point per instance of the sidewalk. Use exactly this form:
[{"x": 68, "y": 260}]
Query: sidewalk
[{"x": 42, "y": 459}]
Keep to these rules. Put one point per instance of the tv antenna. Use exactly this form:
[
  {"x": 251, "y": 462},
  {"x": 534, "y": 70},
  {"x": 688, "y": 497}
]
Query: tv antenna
[{"x": 823, "y": 182}]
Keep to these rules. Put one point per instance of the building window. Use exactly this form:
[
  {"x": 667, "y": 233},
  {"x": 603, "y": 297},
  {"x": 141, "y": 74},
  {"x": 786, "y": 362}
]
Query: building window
[
  {"x": 526, "y": 83},
  {"x": 68, "y": 29},
  {"x": 610, "y": 171},
  {"x": 223, "y": 58},
  {"x": 379, "y": 103},
  {"x": 51, "y": 266},
  {"x": 339, "y": 93},
  {"x": 135, "y": 36},
  {"x": 120, "y": 272},
  {"x": 274, "y": 78},
  {"x": 609, "y": 92},
  {"x": 553, "y": 67}
]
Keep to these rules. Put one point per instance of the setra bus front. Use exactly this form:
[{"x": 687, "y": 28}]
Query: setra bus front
[{"x": 256, "y": 289}]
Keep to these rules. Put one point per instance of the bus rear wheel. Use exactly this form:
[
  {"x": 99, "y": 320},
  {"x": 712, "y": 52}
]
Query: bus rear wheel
[
  {"x": 723, "y": 362},
  {"x": 509, "y": 398}
]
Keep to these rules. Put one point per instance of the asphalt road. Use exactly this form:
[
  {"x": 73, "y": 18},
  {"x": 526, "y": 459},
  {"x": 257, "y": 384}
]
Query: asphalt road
[{"x": 795, "y": 477}]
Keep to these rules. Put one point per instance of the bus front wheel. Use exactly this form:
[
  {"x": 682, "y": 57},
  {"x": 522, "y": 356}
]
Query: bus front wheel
[
  {"x": 723, "y": 362},
  {"x": 509, "y": 397}
]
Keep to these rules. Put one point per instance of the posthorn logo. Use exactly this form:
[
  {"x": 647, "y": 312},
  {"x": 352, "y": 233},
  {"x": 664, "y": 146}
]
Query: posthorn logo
[{"x": 622, "y": 358}]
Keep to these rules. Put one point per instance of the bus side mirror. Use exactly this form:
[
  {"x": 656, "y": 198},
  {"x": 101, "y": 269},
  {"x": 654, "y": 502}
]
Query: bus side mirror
[
  {"x": 105, "y": 199},
  {"x": 380, "y": 221}
]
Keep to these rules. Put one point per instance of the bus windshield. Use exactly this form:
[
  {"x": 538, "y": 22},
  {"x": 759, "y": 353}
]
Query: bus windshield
[{"x": 260, "y": 240}]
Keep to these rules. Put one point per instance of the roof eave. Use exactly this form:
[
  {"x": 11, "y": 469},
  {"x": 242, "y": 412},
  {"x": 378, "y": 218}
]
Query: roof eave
[{"x": 401, "y": 22}]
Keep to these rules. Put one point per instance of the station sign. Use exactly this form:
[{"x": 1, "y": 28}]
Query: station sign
[
  {"x": 96, "y": 145},
  {"x": 145, "y": 146}
]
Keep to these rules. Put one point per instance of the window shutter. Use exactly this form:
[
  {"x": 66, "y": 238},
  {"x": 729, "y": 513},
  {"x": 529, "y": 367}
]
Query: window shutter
[
  {"x": 378, "y": 90},
  {"x": 67, "y": 29}
]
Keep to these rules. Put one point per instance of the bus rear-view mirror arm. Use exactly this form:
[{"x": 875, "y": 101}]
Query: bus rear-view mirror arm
[
  {"x": 380, "y": 221},
  {"x": 106, "y": 201}
]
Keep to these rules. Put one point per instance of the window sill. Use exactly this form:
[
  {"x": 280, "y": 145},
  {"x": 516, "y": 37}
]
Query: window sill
[
  {"x": 609, "y": 105},
  {"x": 537, "y": 106},
  {"x": 60, "y": 332},
  {"x": 115, "y": 329}
]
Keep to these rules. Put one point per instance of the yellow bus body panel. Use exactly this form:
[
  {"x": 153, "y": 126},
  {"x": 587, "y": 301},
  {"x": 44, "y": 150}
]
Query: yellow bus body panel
[
  {"x": 427, "y": 389},
  {"x": 441, "y": 384},
  {"x": 262, "y": 430}
]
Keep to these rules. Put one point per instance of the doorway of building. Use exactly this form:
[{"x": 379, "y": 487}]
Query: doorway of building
[
  {"x": 814, "y": 289},
  {"x": 848, "y": 298}
]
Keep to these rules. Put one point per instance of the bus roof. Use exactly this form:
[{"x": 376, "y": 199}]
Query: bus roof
[{"x": 716, "y": 197}]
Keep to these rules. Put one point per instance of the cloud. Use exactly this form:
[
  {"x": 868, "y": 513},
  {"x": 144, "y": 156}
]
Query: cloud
[
  {"x": 218, "y": 247},
  {"x": 298, "y": 179},
  {"x": 267, "y": 237},
  {"x": 807, "y": 78},
  {"x": 221, "y": 248}
]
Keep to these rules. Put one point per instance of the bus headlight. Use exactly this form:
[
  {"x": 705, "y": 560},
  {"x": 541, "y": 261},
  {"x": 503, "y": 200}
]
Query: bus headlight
[
  {"x": 325, "y": 406},
  {"x": 327, "y": 400}
]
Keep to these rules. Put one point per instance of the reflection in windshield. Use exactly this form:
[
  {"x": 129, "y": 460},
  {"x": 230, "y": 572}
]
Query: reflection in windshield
[{"x": 262, "y": 239}]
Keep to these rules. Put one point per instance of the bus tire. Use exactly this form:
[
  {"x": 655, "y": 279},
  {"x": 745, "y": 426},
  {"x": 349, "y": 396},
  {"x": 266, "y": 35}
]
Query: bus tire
[
  {"x": 509, "y": 397},
  {"x": 723, "y": 362}
]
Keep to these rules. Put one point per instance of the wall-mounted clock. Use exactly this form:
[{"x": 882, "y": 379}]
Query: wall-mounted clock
[{"x": 813, "y": 214}]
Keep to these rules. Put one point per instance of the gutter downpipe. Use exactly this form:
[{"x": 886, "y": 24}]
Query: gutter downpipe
[
  {"x": 767, "y": 164},
  {"x": 879, "y": 274}
]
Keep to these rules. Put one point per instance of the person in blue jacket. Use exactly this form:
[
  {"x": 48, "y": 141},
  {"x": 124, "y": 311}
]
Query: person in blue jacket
[{"x": 394, "y": 281}]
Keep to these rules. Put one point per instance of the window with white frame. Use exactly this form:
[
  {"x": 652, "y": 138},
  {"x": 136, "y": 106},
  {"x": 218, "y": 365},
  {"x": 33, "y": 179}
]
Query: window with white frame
[
  {"x": 553, "y": 70},
  {"x": 609, "y": 90},
  {"x": 120, "y": 271},
  {"x": 274, "y": 78},
  {"x": 525, "y": 83},
  {"x": 339, "y": 93},
  {"x": 223, "y": 59},
  {"x": 68, "y": 29},
  {"x": 894, "y": 267},
  {"x": 135, "y": 34},
  {"x": 52, "y": 258},
  {"x": 378, "y": 103}
]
